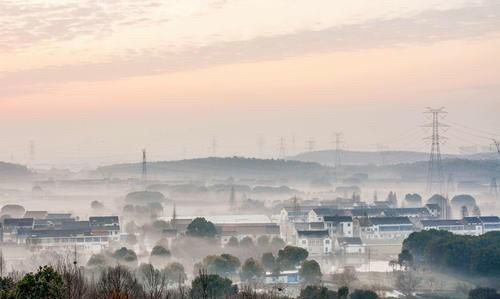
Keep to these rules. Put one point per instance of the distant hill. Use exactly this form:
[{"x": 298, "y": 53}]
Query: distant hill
[
  {"x": 327, "y": 157},
  {"x": 10, "y": 170},
  {"x": 296, "y": 170},
  {"x": 221, "y": 167}
]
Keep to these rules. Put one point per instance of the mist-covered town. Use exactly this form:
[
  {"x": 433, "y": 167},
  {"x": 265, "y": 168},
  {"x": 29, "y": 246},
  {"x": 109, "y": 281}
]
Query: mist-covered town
[{"x": 257, "y": 149}]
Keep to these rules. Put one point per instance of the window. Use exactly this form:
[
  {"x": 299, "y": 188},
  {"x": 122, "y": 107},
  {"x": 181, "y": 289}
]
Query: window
[{"x": 327, "y": 241}]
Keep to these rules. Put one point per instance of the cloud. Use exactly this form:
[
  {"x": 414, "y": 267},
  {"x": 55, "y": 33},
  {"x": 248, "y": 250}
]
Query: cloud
[{"x": 431, "y": 26}]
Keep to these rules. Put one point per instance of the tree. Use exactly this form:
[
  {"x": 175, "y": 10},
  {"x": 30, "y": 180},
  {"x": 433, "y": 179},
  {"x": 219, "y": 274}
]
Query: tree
[
  {"x": 310, "y": 272},
  {"x": 97, "y": 260},
  {"x": 13, "y": 210},
  {"x": 405, "y": 259},
  {"x": 206, "y": 286},
  {"x": 246, "y": 242},
  {"x": 174, "y": 273},
  {"x": 251, "y": 270},
  {"x": 96, "y": 205},
  {"x": 277, "y": 243},
  {"x": 268, "y": 261},
  {"x": 7, "y": 287},
  {"x": 160, "y": 251},
  {"x": 346, "y": 277},
  {"x": 144, "y": 197},
  {"x": 263, "y": 241},
  {"x": 484, "y": 293},
  {"x": 46, "y": 283},
  {"x": 413, "y": 200},
  {"x": 201, "y": 228},
  {"x": 407, "y": 282},
  {"x": 118, "y": 282},
  {"x": 125, "y": 255},
  {"x": 223, "y": 265},
  {"x": 233, "y": 242},
  {"x": 343, "y": 292},
  {"x": 317, "y": 292},
  {"x": 363, "y": 294},
  {"x": 291, "y": 256},
  {"x": 153, "y": 281}
]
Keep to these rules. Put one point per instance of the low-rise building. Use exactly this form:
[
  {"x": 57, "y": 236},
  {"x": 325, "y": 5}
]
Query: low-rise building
[
  {"x": 316, "y": 242},
  {"x": 339, "y": 226},
  {"x": 387, "y": 228},
  {"x": 350, "y": 245},
  {"x": 283, "y": 277}
]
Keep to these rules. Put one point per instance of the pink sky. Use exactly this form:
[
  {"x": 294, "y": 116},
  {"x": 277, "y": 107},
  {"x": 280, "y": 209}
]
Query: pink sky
[{"x": 96, "y": 83}]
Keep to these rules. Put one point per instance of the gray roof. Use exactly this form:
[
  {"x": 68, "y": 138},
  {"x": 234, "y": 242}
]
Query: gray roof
[
  {"x": 389, "y": 220},
  {"x": 18, "y": 222},
  {"x": 489, "y": 219},
  {"x": 472, "y": 220},
  {"x": 103, "y": 220},
  {"x": 441, "y": 222},
  {"x": 313, "y": 233},
  {"x": 338, "y": 219}
]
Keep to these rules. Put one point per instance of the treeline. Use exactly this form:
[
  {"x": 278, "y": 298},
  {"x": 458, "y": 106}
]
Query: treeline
[
  {"x": 467, "y": 254},
  {"x": 146, "y": 282}
]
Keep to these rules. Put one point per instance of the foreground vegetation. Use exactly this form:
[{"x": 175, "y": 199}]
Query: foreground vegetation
[{"x": 478, "y": 255}]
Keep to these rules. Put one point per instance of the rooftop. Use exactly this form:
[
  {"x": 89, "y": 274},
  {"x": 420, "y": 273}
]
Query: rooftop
[
  {"x": 389, "y": 220},
  {"x": 313, "y": 233}
]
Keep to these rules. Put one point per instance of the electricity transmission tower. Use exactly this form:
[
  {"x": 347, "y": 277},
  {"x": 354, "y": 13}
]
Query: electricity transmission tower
[
  {"x": 282, "y": 149},
  {"x": 338, "y": 141},
  {"x": 493, "y": 184},
  {"x": 261, "y": 142},
  {"x": 213, "y": 146},
  {"x": 144, "y": 166},
  {"x": 311, "y": 143},
  {"x": 435, "y": 177}
]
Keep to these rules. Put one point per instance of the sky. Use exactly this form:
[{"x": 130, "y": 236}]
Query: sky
[{"x": 94, "y": 82}]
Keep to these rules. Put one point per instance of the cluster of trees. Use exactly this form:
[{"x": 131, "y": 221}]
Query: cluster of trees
[
  {"x": 145, "y": 282},
  {"x": 319, "y": 292},
  {"x": 252, "y": 270},
  {"x": 467, "y": 254}
]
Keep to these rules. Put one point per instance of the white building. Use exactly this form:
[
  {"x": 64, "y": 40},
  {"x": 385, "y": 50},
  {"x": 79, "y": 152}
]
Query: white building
[
  {"x": 316, "y": 242},
  {"x": 387, "y": 228},
  {"x": 350, "y": 245},
  {"x": 340, "y": 226}
]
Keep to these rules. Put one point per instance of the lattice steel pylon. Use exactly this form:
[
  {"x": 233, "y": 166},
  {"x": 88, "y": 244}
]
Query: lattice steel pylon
[
  {"x": 144, "y": 166},
  {"x": 435, "y": 175}
]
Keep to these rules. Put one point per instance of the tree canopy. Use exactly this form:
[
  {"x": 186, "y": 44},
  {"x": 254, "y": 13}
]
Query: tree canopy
[
  {"x": 291, "y": 256},
  {"x": 201, "y": 228},
  {"x": 467, "y": 254}
]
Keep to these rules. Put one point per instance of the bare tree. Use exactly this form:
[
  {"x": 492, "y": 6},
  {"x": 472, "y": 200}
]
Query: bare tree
[
  {"x": 118, "y": 282},
  {"x": 154, "y": 282},
  {"x": 346, "y": 278},
  {"x": 407, "y": 282}
]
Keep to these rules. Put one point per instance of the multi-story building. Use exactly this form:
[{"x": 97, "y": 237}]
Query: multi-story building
[
  {"x": 339, "y": 226},
  {"x": 316, "y": 242}
]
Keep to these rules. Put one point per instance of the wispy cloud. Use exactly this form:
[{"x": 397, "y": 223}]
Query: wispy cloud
[{"x": 68, "y": 21}]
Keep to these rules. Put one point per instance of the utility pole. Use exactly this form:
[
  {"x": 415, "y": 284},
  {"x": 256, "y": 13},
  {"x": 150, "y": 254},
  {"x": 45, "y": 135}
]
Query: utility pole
[
  {"x": 311, "y": 143},
  {"x": 174, "y": 216},
  {"x": 261, "y": 142},
  {"x": 144, "y": 166},
  {"x": 435, "y": 177},
  {"x": 232, "y": 197},
  {"x": 213, "y": 146},
  {"x": 282, "y": 148},
  {"x": 32, "y": 153}
]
